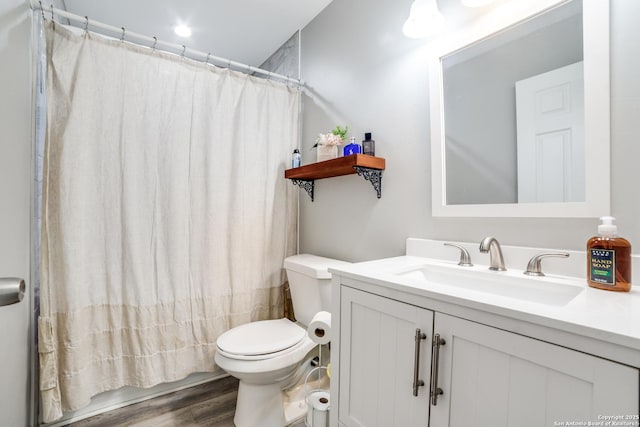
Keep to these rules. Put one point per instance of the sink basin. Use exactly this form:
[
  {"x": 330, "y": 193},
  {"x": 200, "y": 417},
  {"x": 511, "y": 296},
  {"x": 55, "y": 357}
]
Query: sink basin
[{"x": 541, "y": 290}]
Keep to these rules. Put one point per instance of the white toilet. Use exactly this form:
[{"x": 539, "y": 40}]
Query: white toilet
[{"x": 265, "y": 355}]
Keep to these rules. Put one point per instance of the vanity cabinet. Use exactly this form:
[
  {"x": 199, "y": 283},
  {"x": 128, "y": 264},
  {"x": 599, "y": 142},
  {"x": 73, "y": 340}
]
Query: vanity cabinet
[
  {"x": 378, "y": 361},
  {"x": 488, "y": 376},
  {"x": 491, "y": 377}
]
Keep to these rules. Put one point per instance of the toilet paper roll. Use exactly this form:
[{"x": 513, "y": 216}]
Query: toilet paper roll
[
  {"x": 318, "y": 409},
  {"x": 319, "y": 329}
]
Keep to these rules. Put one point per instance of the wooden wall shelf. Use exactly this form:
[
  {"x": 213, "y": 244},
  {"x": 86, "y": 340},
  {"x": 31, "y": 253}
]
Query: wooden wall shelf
[{"x": 369, "y": 167}]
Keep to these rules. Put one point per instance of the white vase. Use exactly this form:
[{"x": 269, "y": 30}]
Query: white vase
[{"x": 327, "y": 152}]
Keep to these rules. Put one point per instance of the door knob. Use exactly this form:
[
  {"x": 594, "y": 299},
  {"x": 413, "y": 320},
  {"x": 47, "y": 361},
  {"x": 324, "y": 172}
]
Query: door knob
[{"x": 11, "y": 290}]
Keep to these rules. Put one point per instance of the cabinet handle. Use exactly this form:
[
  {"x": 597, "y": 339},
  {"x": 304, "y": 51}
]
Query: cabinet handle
[
  {"x": 435, "y": 391},
  {"x": 416, "y": 361}
]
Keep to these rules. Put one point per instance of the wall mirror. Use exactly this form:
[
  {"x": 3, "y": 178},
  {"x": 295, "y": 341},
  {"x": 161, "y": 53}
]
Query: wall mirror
[{"x": 520, "y": 113}]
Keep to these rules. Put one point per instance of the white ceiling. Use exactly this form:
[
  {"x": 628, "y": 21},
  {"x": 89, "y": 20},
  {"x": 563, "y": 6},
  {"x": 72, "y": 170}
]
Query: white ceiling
[{"x": 247, "y": 31}]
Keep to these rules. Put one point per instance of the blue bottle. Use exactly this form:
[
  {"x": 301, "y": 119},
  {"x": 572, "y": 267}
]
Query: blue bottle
[
  {"x": 352, "y": 148},
  {"x": 296, "y": 158}
]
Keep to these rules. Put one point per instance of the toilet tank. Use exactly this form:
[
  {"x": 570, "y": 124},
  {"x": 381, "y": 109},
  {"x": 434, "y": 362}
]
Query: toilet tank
[{"x": 310, "y": 284}]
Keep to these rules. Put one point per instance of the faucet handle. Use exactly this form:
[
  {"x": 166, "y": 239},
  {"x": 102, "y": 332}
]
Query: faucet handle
[
  {"x": 465, "y": 258},
  {"x": 534, "y": 267}
]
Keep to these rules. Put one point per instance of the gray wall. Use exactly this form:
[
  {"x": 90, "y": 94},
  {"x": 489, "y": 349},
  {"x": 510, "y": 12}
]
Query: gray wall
[
  {"x": 285, "y": 60},
  {"x": 363, "y": 72}
]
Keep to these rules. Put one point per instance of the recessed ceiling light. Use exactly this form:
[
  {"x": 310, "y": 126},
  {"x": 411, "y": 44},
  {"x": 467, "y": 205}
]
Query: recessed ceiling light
[
  {"x": 476, "y": 3},
  {"x": 182, "y": 31}
]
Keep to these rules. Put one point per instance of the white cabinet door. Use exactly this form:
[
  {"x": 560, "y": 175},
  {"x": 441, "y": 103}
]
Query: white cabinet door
[
  {"x": 495, "y": 378},
  {"x": 377, "y": 355}
]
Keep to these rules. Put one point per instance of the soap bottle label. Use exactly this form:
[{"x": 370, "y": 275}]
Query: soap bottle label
[{"x": 603, "y": 266}]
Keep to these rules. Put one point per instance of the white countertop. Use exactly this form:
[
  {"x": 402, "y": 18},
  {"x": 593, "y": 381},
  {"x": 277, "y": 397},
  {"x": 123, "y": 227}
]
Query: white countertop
[{"x": 608, "y": 316}]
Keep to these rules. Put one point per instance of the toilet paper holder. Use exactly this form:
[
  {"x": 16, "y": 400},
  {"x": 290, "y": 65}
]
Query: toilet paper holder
[
  {"x": 317, "y": 400},
  {"x": 11, "y": 290}
]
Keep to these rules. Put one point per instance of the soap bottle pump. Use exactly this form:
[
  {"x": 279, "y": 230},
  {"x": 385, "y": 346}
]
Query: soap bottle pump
[{"x": 609, "y": 259}]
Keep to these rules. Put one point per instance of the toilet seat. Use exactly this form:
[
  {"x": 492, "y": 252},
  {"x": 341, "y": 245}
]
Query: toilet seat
[{"x": 261, "y": 340}]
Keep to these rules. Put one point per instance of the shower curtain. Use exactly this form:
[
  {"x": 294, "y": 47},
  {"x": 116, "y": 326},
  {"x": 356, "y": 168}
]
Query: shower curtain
[{"x": 166, "y": 217}]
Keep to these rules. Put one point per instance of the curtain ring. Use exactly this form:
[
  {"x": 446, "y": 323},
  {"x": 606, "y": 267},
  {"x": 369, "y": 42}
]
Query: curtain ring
[
  {"x": 86, "y": 24},
  {"x": 228, "y": 64},
  {"x": 42, "y": 11},
  {"x": 52, "y": 17},
  {"x": 155, "y": 42},
  {"x": 206, "y": 61},
  {"x": 184, "y": 48},
  {"x": 122, "y": 35}
]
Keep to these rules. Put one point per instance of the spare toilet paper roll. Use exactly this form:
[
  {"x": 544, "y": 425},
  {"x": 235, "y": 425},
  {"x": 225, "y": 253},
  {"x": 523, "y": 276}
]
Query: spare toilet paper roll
[
  {"x": 319, "y": 329},
  {"x": 318, "y": 409}
]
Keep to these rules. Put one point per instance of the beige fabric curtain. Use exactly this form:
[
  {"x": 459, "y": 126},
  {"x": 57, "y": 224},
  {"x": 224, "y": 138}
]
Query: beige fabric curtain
[{"x": 166, "y": 217}]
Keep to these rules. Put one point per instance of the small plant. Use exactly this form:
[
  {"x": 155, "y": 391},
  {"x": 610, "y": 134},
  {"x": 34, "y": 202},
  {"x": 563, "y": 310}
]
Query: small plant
[
  {"x": 341, "y": 132},
  {"x": 336, "y": 137}
]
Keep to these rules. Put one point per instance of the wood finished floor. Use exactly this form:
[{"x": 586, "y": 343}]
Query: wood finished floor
[{"x": 212, "y": 404}]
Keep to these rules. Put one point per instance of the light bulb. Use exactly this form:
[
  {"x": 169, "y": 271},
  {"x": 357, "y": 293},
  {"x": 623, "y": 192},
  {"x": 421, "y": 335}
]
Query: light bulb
[
  {"x": 182, "y": 30},
  {"x": 424, "y": 20}
]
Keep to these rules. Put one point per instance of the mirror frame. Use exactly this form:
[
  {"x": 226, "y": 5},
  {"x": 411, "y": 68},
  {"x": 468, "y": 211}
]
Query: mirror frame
[{"x": 596, "y": 103}]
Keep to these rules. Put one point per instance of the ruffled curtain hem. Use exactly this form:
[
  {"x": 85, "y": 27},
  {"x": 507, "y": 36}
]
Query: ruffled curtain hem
[{"x": 103, "y": 348}]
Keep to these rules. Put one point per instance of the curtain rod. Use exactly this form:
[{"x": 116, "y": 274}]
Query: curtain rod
[{"x": 155, "y": 43}]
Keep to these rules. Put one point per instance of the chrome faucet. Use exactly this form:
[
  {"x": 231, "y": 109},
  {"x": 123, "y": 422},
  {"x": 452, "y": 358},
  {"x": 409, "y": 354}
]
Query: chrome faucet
[
  {"x": 534, "y": 267},
  {"x": 465, "y": 258},
  {"x": 491, "y": 245}
]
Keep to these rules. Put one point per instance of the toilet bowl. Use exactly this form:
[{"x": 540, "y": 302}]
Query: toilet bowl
[
  {"x": 266, "y": 355},
  {"x": 264, "y": 375}
]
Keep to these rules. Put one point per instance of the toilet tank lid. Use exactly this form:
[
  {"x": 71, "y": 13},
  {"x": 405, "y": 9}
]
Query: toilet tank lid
[{"x": 312, "y": 265}]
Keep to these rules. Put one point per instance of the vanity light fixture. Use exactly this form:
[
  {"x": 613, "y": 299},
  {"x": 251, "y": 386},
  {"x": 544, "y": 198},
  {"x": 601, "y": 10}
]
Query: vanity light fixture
[
  {"x": 476, "y": 3},
  {"x": 424, "y": 20},
  {"x": 182, "y": 30}
]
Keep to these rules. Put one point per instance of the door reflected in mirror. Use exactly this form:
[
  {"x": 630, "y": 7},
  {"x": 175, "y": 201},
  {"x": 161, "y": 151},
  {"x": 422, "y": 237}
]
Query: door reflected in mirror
[{"x": 513, "y": 119}]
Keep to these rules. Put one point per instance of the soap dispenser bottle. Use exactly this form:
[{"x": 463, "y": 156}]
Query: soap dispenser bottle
[{"x": 609, "y": 259}]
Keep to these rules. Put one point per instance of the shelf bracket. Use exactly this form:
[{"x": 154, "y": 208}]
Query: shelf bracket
[
  {"x": 307, "y": 186},
  {"x": 372, "y": 175}
]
